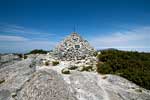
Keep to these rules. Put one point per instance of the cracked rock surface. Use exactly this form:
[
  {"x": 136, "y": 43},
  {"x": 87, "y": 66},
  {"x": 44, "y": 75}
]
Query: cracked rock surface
[{"x": 21, "y": 81}]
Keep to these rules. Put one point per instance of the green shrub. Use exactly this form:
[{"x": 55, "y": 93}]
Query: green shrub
[
  {"x": 132, "y": 65},
  {"x": 104, "y": 68},
  {"x": 36, "y": 51},
  {"x": 73, "y": 67},
  {"x": 54, "y": 63},
  {"x": 138, "y": 90},
  {"x": 88, "y": 68},
  {"x": 2, "y": 81},
  {"x": 95, "y": 53},
  {"x": 65, "y": 71},
  {"x": 46, "y": 63},
  {"x": 20, "y": 55},
  {"x": 25, "y": 56}
]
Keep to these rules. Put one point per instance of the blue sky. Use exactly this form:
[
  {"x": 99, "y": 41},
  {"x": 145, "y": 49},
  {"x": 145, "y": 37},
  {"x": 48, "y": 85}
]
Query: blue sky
[{"x": 41, "y": 24}]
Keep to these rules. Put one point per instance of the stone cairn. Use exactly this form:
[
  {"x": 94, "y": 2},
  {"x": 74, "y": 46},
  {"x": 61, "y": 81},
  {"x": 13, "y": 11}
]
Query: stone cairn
[{"x": 73, "y": 47}]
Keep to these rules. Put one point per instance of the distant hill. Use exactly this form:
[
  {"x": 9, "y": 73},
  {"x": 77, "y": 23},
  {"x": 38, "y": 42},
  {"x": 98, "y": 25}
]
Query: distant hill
[{"x": 38, "y": 51}]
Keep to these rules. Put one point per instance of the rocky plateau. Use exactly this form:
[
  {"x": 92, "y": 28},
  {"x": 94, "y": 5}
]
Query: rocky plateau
[{"x": 31, "y": 79}]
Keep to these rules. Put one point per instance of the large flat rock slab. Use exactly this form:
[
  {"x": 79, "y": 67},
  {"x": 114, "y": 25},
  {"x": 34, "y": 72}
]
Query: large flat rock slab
[{"x": 46, "y": 85}]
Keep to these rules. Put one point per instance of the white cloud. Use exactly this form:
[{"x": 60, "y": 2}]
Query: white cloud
[
  {"x": 136, "y": 38},
  {"x": 12, "y": 38},
  {"x": 21, "y": 30},
  {"x": 20, "y": 44},
  {"x": 23, "y": 39}
]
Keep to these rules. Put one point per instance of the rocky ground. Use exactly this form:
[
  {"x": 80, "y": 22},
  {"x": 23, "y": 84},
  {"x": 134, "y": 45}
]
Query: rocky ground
[
  {"x": 8, "y": 59},
  {"x": 39, "y": 78}
]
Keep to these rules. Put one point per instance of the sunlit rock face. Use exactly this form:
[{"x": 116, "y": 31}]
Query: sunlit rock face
[{"x": 73, "y": 47}]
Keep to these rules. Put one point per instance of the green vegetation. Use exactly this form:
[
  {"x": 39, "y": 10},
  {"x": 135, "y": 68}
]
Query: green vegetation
[
  {"x": 46, "y": 63},
  {"x": 87, "y": 68},
  {"x": 73, "y": 67},
  {"x": 65, "y": 71},
  {"x": 25, "y": 56},
  {"x": 14, "y": 95},
  {"x": 19, "y": 55},
  {"x": 54, "y": 63},
  {"x": 2, "y": 81},
  {"x": 36, "y": 51},
  {"x": 95, "y": 53},
  {"x": 138, "y": 90},
  {"x": 132, "y": 65}
]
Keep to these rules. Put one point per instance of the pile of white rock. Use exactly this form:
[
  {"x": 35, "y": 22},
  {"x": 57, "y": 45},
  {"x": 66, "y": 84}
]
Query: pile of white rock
[{"x": 73, "y": 47}]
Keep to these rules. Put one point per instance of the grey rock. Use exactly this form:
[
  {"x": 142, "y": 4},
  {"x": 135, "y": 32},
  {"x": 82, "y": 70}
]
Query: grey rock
[
  {"x": 8, "y": 59},
  {"x": 16, "y": 75},
  {"x": 86, "y": 87},
  {"x": 90, "y": 86},
  {"x": 4, "y": 95},
  {"x": 46, "y": 85}
]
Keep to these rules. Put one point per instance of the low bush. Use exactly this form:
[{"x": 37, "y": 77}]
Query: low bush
[
  {"x": 104, "y": 68},
  {"x": 54, "y": 63},
  {"x": 36, "y": 51},
  {"x": 65, "y": 71},
  {"x": 2, "y": 81},
  {"x": 73, "y": 67},
  {"x": 138, "y": 90},
  {"x": 131, "y": 65},
  {"x": 46, "y": 63},
  {"x": 87, "y": 68},
  {"x": 25, "y": 56}
]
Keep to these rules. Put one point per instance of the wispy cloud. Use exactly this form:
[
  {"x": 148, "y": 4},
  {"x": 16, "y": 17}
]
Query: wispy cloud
[
  {"x": 21, "y": 44},
  {"x": 9, "y": 28},
  {"x": 135, "y": 38},
  {"x": 12, "y": 38}
]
